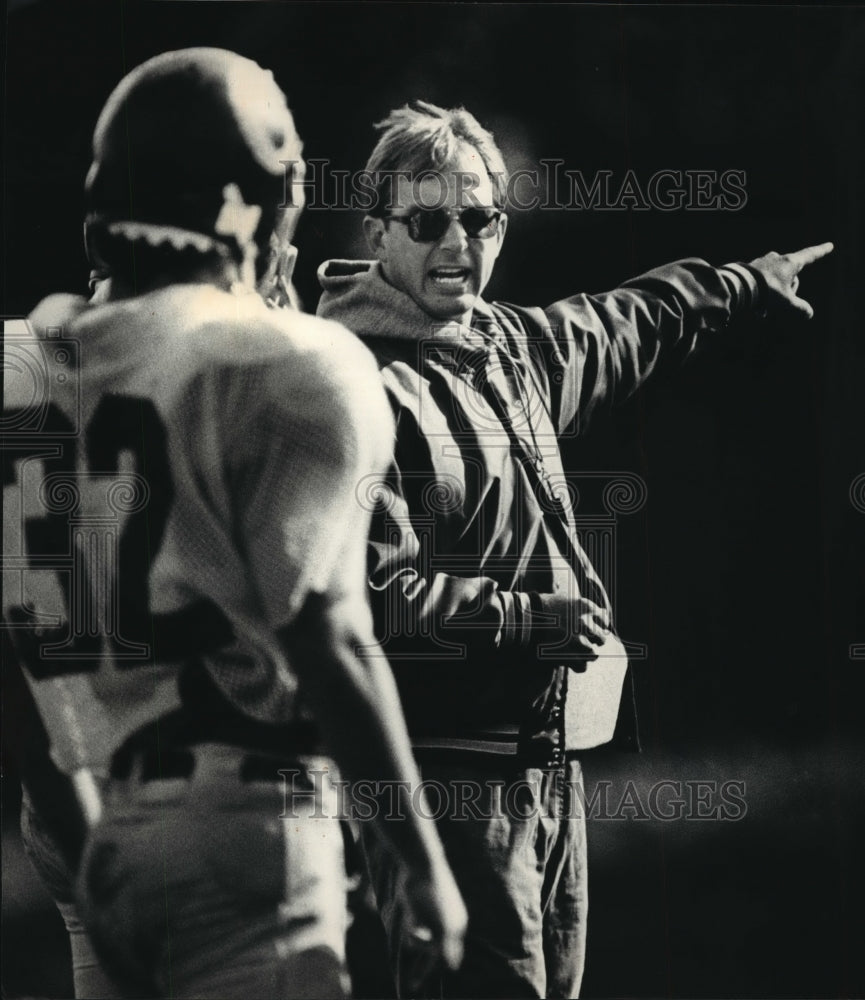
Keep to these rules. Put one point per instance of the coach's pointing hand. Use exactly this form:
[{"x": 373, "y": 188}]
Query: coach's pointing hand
[{"x": 780, "y": 273}]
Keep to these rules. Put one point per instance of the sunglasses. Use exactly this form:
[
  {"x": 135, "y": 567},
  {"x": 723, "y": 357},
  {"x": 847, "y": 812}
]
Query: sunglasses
[{"x": 426, "y": 225}]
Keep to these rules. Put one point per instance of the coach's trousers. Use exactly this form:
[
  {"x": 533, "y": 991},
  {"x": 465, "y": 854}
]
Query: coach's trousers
[
  {"x": 219, "y": 885},
  {"x": 516, "y": 841}
]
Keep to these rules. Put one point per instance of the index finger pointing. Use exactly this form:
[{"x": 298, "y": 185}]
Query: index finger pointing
[{"x": 802, "y": 258}]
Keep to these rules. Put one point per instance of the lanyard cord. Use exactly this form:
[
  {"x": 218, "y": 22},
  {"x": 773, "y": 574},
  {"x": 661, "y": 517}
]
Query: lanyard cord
[{"x": 589, "y": 582}]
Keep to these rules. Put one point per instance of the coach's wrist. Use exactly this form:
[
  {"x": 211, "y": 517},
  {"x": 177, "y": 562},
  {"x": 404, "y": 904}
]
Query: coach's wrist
[
  {"x": 746, "y": 285},
  {"x": 516, "y": 610}
]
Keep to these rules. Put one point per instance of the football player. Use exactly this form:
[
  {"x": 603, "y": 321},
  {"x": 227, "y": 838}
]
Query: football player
[{"x": 185, "y": 529}]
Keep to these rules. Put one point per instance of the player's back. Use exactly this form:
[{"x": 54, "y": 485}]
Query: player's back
[{"x": 183, "y": 474}]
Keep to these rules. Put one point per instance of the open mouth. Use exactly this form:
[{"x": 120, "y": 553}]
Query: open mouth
[{"x": 450, "y": 277}]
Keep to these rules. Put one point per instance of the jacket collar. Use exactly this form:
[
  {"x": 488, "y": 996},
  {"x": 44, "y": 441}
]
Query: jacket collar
[{"x": 357, "y": 295}]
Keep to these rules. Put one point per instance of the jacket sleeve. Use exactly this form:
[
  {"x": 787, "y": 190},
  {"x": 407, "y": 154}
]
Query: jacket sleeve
[
  {"x": 420, "y": 609},
  {"x": 598, "y": 349}
]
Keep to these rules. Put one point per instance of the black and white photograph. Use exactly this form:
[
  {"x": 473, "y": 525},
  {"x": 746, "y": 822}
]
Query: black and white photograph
[{"x": 434, "y": 500}]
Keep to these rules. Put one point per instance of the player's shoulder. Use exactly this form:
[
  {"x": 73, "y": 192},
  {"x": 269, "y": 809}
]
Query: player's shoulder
[
  {"x": 51, "y": 319},
  {"x": 327, "y": 346},
  {"x": 336, "y": 377},
  {"x": 300, "y": 364},
  {"x": 241, "y": 328},
  {"x": 39, "y": 350}
]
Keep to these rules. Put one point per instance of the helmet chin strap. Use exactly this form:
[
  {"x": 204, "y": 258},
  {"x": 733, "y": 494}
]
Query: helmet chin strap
[
  {"x": 275, "y": 286},
  {"x": 240, "y": 221}
]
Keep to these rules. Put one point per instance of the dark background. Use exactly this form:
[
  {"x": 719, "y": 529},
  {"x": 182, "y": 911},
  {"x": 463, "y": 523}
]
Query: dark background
[{"x": 743, "y": 573}]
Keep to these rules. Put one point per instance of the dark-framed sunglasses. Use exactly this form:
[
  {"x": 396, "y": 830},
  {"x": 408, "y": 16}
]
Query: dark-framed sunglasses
[{"x": 426, "y": 225}]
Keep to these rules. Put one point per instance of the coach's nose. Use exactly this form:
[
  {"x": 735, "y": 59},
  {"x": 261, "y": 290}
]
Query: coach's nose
[{"x": 455, "y": 236}]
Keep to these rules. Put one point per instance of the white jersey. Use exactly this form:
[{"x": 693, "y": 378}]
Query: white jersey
[{"x": 182, "y": 470}]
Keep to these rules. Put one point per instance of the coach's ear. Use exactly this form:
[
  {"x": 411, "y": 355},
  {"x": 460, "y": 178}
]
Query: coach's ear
[{"x": 376, "y": 236}]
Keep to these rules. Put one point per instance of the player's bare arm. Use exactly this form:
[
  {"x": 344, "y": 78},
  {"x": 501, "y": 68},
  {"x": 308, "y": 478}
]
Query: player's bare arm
[{"x": 344, "y": 675}]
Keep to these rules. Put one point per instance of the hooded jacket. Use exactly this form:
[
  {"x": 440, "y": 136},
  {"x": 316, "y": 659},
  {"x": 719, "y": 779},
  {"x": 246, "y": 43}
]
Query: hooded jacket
[{"x": 475, "y": 522}]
